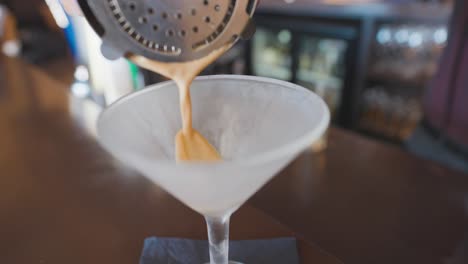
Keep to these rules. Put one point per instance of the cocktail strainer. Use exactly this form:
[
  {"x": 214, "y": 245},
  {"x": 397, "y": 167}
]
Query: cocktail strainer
[{"x": 168, "y": 30}]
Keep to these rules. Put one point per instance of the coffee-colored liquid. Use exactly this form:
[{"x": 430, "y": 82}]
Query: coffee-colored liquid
[{"x": 190, "y": 144}]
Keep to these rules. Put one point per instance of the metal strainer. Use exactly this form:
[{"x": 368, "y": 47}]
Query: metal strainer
[{"x": 168, "y": 30}]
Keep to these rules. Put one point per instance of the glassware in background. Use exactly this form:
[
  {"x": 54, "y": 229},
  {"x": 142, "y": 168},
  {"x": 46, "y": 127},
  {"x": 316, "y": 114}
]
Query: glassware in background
[
  {"x": 407, "y": 53},
  {"x": 272, "y": 53},
  {"x": 403, "y": 59},
  {"x": 322, "y": 68},
  {"x": 393, "y": 116},
  {"x": 320, "y": 61}
]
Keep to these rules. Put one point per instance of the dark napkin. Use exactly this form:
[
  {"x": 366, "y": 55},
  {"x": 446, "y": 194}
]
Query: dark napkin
[{"x": 186, "y": 251}]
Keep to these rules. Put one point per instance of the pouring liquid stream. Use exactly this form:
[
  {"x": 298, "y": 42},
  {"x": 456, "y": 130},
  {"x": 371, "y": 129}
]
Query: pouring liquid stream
[{"x": 190, "y": 144}]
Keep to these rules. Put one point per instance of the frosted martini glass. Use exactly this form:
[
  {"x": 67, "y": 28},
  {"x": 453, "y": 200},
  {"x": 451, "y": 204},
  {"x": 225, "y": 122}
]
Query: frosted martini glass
[{"x": 257, "y": 124}]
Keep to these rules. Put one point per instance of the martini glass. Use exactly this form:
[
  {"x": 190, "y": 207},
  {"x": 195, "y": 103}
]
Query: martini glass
[{"x": 257, "y": 124}]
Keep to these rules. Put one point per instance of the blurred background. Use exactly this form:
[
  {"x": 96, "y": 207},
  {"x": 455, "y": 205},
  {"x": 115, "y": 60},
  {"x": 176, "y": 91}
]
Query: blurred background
[{"x": 372, "y": 61}]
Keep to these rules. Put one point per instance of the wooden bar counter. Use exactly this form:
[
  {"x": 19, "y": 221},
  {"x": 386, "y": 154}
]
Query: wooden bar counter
[{"x": 63, "y": 199}]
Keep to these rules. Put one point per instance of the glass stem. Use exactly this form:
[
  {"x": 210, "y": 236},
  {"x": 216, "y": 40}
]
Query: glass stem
[{"x": 218, "y": 237}]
